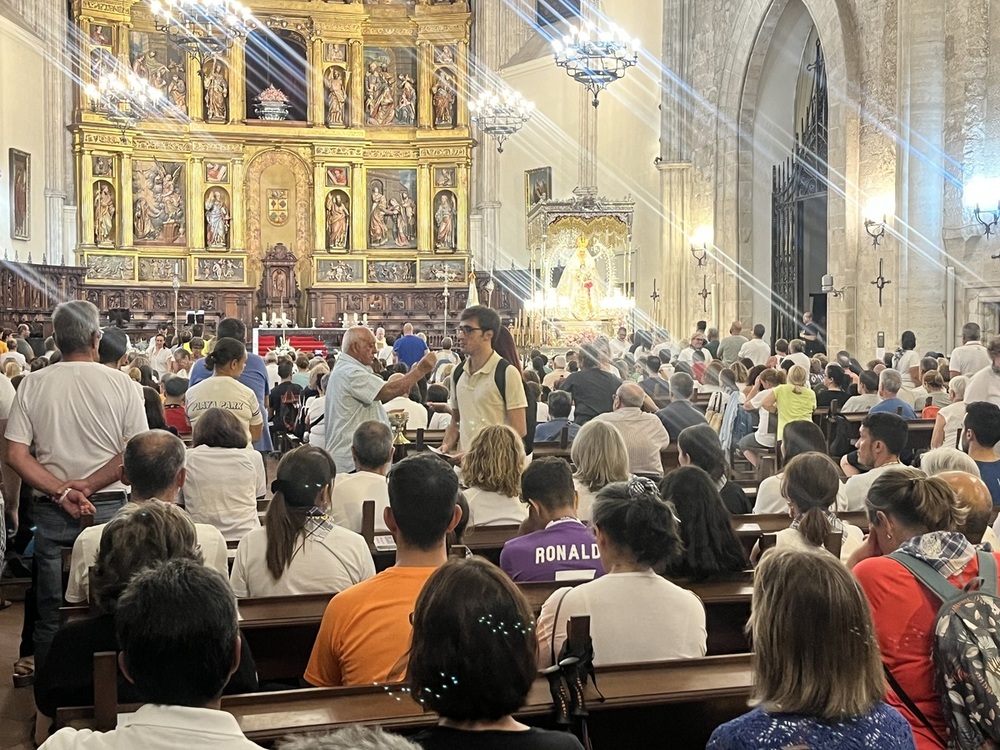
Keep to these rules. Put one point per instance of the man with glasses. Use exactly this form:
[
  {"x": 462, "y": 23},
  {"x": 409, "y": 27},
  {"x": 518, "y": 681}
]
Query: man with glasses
[
  {"x": 78, "y": 416},
  {"x": 477, "y": 400}
]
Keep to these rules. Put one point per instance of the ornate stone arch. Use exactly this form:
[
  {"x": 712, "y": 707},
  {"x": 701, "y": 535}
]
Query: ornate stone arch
[
  {"x": 302, "y": 210},
  {"x": 739, "y": 83}
]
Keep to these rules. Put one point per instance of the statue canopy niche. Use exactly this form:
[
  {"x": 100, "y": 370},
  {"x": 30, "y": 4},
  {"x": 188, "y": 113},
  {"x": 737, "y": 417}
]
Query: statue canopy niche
[{"x": 581, "y": 251}]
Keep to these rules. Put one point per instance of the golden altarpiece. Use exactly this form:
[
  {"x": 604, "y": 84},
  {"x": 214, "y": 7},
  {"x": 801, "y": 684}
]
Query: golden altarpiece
[{"x": 338, "y": 130}]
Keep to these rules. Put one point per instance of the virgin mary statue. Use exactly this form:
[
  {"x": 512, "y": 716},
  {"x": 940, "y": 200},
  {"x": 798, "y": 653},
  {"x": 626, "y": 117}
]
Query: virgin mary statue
[{"x": 579, "y": 289}]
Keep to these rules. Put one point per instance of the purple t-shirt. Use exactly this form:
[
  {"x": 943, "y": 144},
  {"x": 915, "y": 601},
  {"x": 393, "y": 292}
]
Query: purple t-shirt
[
  {"x": 409, "y": 349},
  {"x": 562, "y": 546}
]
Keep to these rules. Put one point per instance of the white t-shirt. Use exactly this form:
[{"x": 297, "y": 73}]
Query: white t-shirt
[
  {"x": 756, "y": 350},
  {"x": 7, "y": 394},
  {"x": 88, "y": 543},
  {"x": 908, "y": 360},
  {"x": 762, "y": 436},
  {"x": 160, "y": 360},
  {"x": 316, "y": 408},
  {"x": 856, "y": 488},
  {"x": 222, "y": 487},
  {"x": 387, "y": 355},
  {"x": 983, "y": 386},
  {"x": 273, "y": 378},
  {"x": 350, "y": 491},
  {"x": 78, "y": 416},
  {"x": 792, "y": 538},
  {"x": 224, "y": 393},
  {"x": 801, "y": 359},
  {"x": 860, "y": 403},
  {"x": 969, "y": 359},
  {"x": 439, "y": 420},
  {"x": 417, "y": 413},
  {"x": 769, "y": 499},
  {"x": 664, "y": 621},
  {"x": 493, "y": 509},
  {"x": 585, "y": 500},
  {"x": 954, "y": 419},
  {"x": 327, "y": 560}
]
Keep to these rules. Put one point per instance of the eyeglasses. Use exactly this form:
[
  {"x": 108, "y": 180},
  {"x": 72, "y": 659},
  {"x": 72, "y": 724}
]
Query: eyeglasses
[{"x": 468, "y": 329}]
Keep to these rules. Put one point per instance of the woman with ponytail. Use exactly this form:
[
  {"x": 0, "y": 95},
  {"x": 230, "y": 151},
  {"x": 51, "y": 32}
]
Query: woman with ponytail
[
  {"x": 810, "y": 484},
  {"x": 836, "y": 384},
  {"x": 636, "y": 532},
  {"x": 299, "y": 550},
  {"x": 224, "y": 391},
  {"x": 792, "y": 401},
  {"x": 916, "y": 515}
]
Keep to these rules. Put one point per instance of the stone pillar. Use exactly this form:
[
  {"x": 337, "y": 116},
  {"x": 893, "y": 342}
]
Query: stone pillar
[
  {"x": 56, "y": 134},
  {"x": 485, "y": 182}
]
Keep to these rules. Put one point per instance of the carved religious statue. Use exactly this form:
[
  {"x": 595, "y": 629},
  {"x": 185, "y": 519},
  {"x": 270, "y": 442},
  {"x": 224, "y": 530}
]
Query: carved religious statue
[
  {"x": 338, "y": 219},
  {"x": 216, "y": 91},
  {"x": 444, "y": 222},
  {"x": 217, "y": 218},
  {"x": 444, "y": 99},
  {"x": 380, "y": 99},
  {"x": 335, "y": 82},
  {"x": 104, "y": 214},
  {"x": 580, "y": 284},
  {"x": 378, "y": 231}
]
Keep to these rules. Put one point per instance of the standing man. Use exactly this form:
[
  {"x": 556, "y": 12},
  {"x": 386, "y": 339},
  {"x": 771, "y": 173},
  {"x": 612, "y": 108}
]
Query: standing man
[
  {"x": 409, "y": 348},
  {"x": 78, "y": 417},
  {"x": 620, "y": 345},
  {"x": 254, "y": 375},
  {"x": 476, "y": 400},
  {"x": 355, "y": 394},
  {"x": 971, "y": 356},
  {"x": 160, "y": 355},
  {"x": 756, "y": 349},
  {"x": 593, "y": 389},
  {"x": 729, "y": 347},
  {"x": 985, "y": 384},
  {"x": 812, "y": 334}
]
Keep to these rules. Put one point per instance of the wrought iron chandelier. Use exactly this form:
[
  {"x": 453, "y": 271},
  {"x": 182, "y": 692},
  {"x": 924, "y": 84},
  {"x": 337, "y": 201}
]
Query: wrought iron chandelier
[
  {"x": 501, "y": 115},
  {"x": 123, "y": 99},
  {"x": 596, "y": 58},
  {"x": 203, "y": 28}
]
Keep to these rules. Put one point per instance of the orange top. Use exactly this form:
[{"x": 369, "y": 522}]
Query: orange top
[{"x": 366, "y": 630}]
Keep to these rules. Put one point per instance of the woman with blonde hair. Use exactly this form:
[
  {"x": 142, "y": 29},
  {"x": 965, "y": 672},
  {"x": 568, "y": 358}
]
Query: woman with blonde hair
[
  {"x": 818, "y": 681},
  {"x": 913, "y": 517},
  {"x": 934, "y": 385},
  {"x": 809, "y": 484},
  {"x": 299, "y": 550},
  {"x": 600, "y": 457},
  {"x": 950, "y": 419},
  {"x": 491, "y": 476},
  {"x": 792, "y": 401}
]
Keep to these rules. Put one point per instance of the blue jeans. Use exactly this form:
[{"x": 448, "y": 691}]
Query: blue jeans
[{"x": 55, "y": 529}]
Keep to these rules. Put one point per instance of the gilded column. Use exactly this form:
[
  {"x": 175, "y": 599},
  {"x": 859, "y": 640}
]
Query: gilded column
[
  {"x": 316, "y": 93},
  {"x": 425, "y": 197},
  {"x": 237, "y": 89},
  {"x": 237, "y": 230},
  {"x": 425, "y": 80},
  {"x": 359, "y": 207},
  {"x": 464, "y": 98},
  {"x": 356, "y": 60},
  {"x": 125, "y": 199},
  {"x": 195, "y": 91},
  {"x": 462, "y": 193},
  {"x": 86, "y": 193},
  {"x": 196, "y": 204},
  {"x": 319, "y": 197}
]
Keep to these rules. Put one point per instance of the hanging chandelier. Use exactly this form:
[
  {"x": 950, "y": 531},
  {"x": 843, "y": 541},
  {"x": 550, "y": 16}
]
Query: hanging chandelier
[
  {"x": 123, "y": 99},
  {"x": 596, "y": 58},
  {"x": 501, "y": 115},
  {"x": 203, "y": 28}
]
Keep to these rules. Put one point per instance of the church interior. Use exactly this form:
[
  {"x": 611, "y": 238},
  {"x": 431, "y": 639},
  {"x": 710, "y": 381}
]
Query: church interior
[{"x": 577, "y": 165}]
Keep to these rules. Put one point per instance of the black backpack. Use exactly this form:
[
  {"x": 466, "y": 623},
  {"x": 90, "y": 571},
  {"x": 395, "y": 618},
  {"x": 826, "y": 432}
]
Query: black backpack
[
  {"x": 966, "y": 651},
  {"x": 288, "y": 414},
  {"x": 500, "y": 378}
]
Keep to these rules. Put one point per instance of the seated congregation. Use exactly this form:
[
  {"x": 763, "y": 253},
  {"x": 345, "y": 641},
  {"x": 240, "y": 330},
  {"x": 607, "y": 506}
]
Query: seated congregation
[{"x": 786, "y": 574}]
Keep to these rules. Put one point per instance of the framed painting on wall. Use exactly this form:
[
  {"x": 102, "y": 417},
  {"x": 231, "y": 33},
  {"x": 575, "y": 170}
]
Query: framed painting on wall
[
  {"x": 159, "y": 193},
  {"x": 537, "y": 186},
  {"x": 20, "y": 194}
]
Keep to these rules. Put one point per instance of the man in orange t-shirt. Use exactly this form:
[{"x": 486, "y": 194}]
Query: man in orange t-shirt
[{"x": 365, "y": 633}]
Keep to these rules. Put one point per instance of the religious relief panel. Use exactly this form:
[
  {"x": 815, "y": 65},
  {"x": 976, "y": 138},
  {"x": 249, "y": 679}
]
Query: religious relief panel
[
  {"x": 392, "y": 213},
  {"x": 337, "y": 100},
  {"x": 162, "y": 269},
  {"x": 102, "y": 35},
  {"x": 110, "y": 268},
  {"x": 338, "y": 177},
  {"x": 162, "y": 64},
  {"x": 445, "y": 221},
  {"x": 338, "y": 220},
  {"x": 215, "y": 82},
  {"x": 102, "y": 166},
  {"x": 346, "y": 271},
  {"x": 389, "y": 85},
  {"x": 334, "y": 52},
  {"x": 444, "y": 177},
  {"x": 105, "y": 211},
  {"x": 442, "y": 271},
  {"x": 158, "y": 190},
  {"x": 221, "y": 268},
  {"x": 392, "y": 272},
  {"x": 444, "y": 98},
  {"x": 217, "y": 171},
  {"x": 217, "y": 217}
]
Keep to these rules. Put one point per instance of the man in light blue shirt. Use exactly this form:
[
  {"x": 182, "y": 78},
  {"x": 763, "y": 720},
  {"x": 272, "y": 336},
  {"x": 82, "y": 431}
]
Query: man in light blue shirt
[
  {"x": 355, "y": 394},
  {"x": 889, "y": 384}
]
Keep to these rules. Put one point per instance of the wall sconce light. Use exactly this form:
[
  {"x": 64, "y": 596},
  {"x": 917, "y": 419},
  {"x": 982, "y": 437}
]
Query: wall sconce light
[
  {"x": 827, "y": 286},
  {"x": 700, "y": 241},
  {"x": 877, "y": 212},
  {"x": 984, "y": 191}
]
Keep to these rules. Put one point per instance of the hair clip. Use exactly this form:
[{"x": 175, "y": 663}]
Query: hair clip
[{"x": 638, "y": 486}]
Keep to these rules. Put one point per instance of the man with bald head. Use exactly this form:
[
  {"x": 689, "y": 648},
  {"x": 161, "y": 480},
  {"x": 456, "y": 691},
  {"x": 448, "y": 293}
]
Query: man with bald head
[
  {"x": 408, "y": 347},
  {"x": 644, "y": 433},
  {"x": 355, "y": 394},
  {"x": 973, "y": 497}
]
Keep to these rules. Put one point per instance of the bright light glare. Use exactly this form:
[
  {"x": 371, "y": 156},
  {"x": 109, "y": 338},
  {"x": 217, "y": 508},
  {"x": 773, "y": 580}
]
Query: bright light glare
[
  {"x": 982, "y": 192},
  {"x": 702, "y": 237},
  {"x": 880, "y": 207}
]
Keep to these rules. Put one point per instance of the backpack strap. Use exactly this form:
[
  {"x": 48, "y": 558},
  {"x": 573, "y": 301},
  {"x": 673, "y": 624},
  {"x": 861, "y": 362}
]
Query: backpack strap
[
  {"x": 987, "y": 572},
  {"x": 910, "y": 705},
  {"x": 500, "y": 378},
  {"x": 933, "y": 580}
]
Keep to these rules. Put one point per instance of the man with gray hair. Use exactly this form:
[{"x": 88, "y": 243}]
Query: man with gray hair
[
  {"x": 680, "y": 412},
  {"x": 971, "y": 356},
  {"x": 371, "y": 449},
  {"x": 153, "y": 464},
  {"x": 644, "y": 434},
  {"x": 78, "y": 416},
  {"x": 356, "y": 393},
  {"x": 351, "y": 738},
  {"x": 889, "y": 384},
  {"x": 558, "y": 374}
]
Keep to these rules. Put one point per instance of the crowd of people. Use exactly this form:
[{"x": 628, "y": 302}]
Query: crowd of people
[{"x": 165, "y": 450}]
